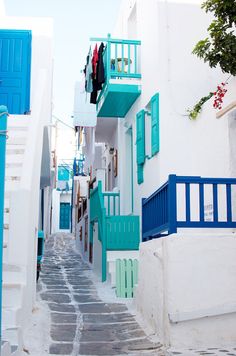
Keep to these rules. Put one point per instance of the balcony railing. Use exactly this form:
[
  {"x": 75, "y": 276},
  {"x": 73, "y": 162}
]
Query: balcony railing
[
  {"x": 115, "y": 231},
  {"x": 112, "y": 203},
  {"x": 121, "y": 60},
  {"x": 189, "y": 202}
]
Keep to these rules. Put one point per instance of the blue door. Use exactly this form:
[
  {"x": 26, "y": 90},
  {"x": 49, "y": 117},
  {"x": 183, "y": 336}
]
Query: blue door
[
  {"x": 65, "y": 216},
  {"x": 15, "y": 63}
]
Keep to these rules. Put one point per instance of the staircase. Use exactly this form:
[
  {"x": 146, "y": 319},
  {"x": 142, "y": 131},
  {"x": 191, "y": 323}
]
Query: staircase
[
  {"x": 14, "y": 283},
  {"x": 117, "y": 233},
  {"x": 21, "y": 213}
]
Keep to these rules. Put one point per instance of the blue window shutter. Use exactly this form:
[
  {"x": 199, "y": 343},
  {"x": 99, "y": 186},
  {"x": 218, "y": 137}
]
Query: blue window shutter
[
  {"x": 140, "y": 137},
  {"x": 155, "y": 124},
  {"x": 15, "y": 68}
]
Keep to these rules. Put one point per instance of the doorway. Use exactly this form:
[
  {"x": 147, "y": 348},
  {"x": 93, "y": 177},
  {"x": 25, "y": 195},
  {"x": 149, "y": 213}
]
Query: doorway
[{"x": 64, "y": 216}]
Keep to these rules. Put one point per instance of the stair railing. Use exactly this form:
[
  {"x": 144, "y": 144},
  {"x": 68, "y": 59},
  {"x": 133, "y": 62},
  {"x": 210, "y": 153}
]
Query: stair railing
[{"x": 98, "y": 214}]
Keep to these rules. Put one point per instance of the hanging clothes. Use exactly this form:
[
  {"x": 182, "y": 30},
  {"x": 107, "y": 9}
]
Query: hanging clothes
[
  {"x": 95, "y": 60},
  {"x": 100, "y": 66},
  {"x": 98, "y": 75},
  {"x": 89, "y": 73}
]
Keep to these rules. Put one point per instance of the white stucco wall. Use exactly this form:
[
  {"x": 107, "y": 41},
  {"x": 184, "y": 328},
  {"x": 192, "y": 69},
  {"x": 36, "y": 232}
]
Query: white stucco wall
[
  {"x": 189, "y": 298},
  {"x": 80, "y": 244},
  {"x": 55, "y": 210},
  {"x": 186, "y": 276},
  {"x": 168, "y": 67},
  {"x": 97, "y": 253},
  {"x": 23, "y": 237}
]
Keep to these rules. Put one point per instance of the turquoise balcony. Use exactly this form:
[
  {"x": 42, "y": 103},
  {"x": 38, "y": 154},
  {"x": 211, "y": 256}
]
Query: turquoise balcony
[
  {"x": 115, "y": 232},
  {"x": 122, "y": 84}
]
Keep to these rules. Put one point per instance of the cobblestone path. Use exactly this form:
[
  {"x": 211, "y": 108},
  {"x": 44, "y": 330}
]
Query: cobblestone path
[{"x": 81, "y": 323}]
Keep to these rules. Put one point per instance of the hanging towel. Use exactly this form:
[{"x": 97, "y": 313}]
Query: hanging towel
[{"x": 95, "y": 60}]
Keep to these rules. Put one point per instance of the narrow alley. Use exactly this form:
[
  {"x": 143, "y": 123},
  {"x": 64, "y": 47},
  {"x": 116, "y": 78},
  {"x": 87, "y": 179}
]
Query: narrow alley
[{"x": 81, "y": 323}]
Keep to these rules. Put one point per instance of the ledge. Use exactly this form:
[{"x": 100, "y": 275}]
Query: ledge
[
  {"x": 202, "y": 313},
  {"x": 224, "y": 111}
]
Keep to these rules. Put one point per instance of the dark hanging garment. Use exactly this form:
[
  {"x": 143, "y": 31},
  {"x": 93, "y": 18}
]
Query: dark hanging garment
[
  {"x": 100, "y": 67},
  {"x": 98, "y": 76}
]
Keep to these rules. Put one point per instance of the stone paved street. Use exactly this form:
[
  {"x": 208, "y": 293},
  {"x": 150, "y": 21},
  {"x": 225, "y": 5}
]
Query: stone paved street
[{"x": 82, "y": 323}]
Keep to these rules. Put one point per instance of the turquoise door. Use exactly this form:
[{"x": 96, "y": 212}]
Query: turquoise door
[
  {"x": 65, "y": 216},
  {"x": 15, "y": 63}
]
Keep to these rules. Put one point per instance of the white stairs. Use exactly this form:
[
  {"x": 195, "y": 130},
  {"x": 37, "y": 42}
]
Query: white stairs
[{"x": 13, "y": 276}]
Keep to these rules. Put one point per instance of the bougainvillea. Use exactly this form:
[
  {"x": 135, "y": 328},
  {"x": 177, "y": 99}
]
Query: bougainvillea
[{"x": 219, "y": 95}]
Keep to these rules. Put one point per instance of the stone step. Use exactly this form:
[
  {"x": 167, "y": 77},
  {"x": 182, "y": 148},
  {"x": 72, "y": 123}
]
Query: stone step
[
  {"x": 5, "y": 348},
  {"x": 16, "y": 141},
  {"x": 14, "y": 159},
  {"x": 11, "y": 317},
  {"x": 12, "y": 178},
  {"x": 15, "y": 350},
  {"x": 6, "y": 216},
  {"x": 18, "y": 121},
  {"x": 13, "y": 169},
  {"x": 5, "y": 253},
  {"x": 13, "y": 277},
  {"x": 5, "y": 238},
  {"x": 17, "y": 128},
  {"x": 13, "y": 336},
  {"x": 12, "y": 150},
  {"x": 11, "y": 186},
  {"x": 12, "y": 294}
]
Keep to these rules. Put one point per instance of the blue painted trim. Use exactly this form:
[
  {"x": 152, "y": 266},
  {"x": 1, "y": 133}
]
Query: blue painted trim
[
  {"x": 29, "y": 57},
  {"x": 3, "y": 137},
  {"x": 229, "y": 202},
  {"x": 201, "y": 202},
  {"x": 187, "y": 201},
  {"x": 132, "y": 169},
  {"x": 157, "y": 223},
  {"x": 215, "y": 202},
  {"x": 172, "y": 208}
]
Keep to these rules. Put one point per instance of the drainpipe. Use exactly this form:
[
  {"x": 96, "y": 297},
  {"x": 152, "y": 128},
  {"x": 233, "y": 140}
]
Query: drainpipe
[{"x": 3, "y": 137}]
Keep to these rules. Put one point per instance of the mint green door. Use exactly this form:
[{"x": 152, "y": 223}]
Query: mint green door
[{"x": 65, "y": 216}]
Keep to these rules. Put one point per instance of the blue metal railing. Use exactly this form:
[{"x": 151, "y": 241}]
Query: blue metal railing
[
  {"x": 161, "y": 210},
  {"x": 3, "y": 137}
]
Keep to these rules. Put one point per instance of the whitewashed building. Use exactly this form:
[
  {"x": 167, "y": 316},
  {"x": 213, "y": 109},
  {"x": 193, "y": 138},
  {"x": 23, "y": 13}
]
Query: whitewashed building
[
  {"x": 26, "y": 65},
  {"x": 144, "y": 141}
]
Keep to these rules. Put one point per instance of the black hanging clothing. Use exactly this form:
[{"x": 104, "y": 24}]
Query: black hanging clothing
[
  {"x": 100, "y": 66},
  {"x": 99, "y": 76}
]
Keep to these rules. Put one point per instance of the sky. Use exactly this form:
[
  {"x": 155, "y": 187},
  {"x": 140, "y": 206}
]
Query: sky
[{"x": 75, "y": 21}]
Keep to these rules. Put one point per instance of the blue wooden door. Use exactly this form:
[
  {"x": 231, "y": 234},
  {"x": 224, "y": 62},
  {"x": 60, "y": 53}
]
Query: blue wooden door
[
  {"x": 65, "y": 216},
  {"x": 15, "y": 63}
]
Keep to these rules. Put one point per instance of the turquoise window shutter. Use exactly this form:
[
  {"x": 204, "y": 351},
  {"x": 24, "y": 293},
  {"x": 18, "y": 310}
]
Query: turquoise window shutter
[
  {"x": 155, "y": 140},
  {"x": 140, "y": 137},
  {"x": 140, "y": 144},
  {"x": 140, "y": 173}
]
